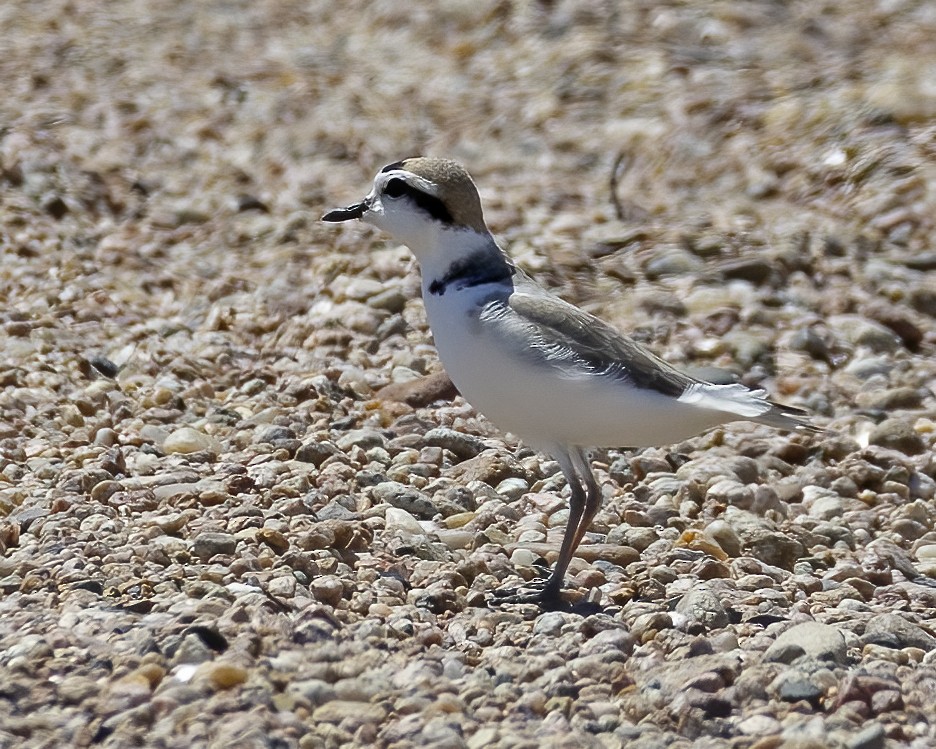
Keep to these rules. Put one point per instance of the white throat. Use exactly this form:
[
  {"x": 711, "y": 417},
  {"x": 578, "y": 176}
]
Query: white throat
[{"x": 436, "y": 246}]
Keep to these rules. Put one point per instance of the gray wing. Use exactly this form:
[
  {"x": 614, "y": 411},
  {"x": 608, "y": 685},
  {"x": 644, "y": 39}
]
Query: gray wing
[{"x": 565, "y": 336}]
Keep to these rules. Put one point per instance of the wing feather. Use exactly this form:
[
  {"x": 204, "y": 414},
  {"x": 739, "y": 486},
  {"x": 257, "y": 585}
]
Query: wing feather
[{"x": 582, "y": 345}]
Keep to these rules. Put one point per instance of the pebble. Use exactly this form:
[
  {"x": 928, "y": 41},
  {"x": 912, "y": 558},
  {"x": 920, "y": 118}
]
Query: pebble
[
  {"x": 765, "y": 544},
  {"x": 357, "y": 713},
  {"x": 363, "y": 438},
  {"x": 671, "y": 261},
  {"x": 220, "y": 675},
  {"x": 186, "y": 440},
  {"x": 731, "y": 492},
  {"x": 406, "y": 498},
  {"x": 317, "y": 452},
  {"x": 512, "y": 488},
  {"x": 490, "y": 467},
  {"x": 327, "y": 589},
  {"x": 893, "y": 628},
  {"x": 463, "y": 445},
  {"x": 398, "y": 519},
  {"x": 759, "y": 725},
  {"x": 860, "y": 331},
  {"x": 725, "y": 536},
  {"x": 872, "y": 736},
  {"x": 420, "y": 392},
  {"x": 208, "y": 544},
  {"x": 703, "y": 606},
  {"x": 810, "y": 640},
  {"x": 794, "y": 686},
  {"x": 897, "y": 434}
]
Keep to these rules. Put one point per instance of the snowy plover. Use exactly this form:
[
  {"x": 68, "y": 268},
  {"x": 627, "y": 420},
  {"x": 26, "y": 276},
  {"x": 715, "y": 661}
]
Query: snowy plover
[{"x": 557, "y": 377}]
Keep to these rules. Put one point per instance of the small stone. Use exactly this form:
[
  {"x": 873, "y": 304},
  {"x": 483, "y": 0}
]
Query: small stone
[
  {"x": 192, "y": 649},
  {"x": 274, "y": 539},
  {"x": 703, "y": 606},
  {"x": 731, "y": 492},
  {"x": 512, "y": 488},
  {"x": 759, "y": 725},
  {"x": 106, "y": 437},
  {"x": 463, "y": 445},
  {"x": 861, "y": 331},
  {"x": 405, "y": 498},
  {"x": 645, "y": 624},
  {"x": 764, "y": 543},
  {"x": 456, "y": 539},
  {"x": 549, "y": 624},
  {"x": 327, "y": 589},
  {"x": 672, "y": 261},
  {"x": 391, "y": 300},
  {"x": 793, "y": 686},
  {"x": 897, "y": 434},
  {"x": 484, "y": 737},
  {"x": 337, "y": 711},
  {"x": 316, "y": 452},
  {"x": 103, "y": 490},
  {"x": 827, "y": 507},
  {"x": 282, "y": 587},
  {"x": 363, "y": 438},
  {"x": 273, "y": 433},
  {"x": 315, "y": 691},
  {"x": 816, "y": 641},
  {"x": 490, "y": 467},
  {"x": 751, "y": 268},
  {"x": 208, "y": 544},
  {"x": 724, "y": 535},
  {"x": 891, "y": 399},
  {"x": 883, "y": 627},
  {"x": 886, "y": 700},
  {"x": 220, "y": 675},
  {"x": 76, "y": 689},
  {"x": 398, "y": 519},
  {"x": 866, "y": 367},
  {"x": 421, "y": 392},
  {"x": 186, "y": 440},
  {"x": 870, "y": 737}
]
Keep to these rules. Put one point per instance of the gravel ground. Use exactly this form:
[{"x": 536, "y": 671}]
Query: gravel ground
[{"x": 240, "y": 506}]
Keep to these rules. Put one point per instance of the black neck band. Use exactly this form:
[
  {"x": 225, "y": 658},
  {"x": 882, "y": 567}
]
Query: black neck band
[{"x": 475, "y": 270}]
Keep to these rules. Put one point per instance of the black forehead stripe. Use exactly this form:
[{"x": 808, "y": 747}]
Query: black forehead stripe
[
  {"x": 392, "y": 167},
  {"x": 429, "y": 203}
]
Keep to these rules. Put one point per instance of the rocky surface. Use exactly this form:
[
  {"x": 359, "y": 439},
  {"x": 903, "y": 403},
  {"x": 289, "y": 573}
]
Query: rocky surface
[{"x": 241, "y": 506}]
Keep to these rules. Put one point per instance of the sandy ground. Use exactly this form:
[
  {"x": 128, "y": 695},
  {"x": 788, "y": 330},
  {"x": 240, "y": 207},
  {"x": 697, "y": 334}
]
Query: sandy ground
[{"x": 217, "y": 528}]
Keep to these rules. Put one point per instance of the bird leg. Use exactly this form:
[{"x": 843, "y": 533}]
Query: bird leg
[
  {"x": 592, "y": 496},
  {"x": 578, "y": 504},
  {"x": 584, "y": 502}
]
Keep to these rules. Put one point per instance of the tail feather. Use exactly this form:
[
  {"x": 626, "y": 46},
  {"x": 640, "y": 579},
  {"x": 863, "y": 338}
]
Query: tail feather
[
  {"x": 787, "y": 417},
  {"x": 748, "y": 404}
]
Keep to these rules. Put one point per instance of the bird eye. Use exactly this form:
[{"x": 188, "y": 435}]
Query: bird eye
[{"x": 395, "y": 188}]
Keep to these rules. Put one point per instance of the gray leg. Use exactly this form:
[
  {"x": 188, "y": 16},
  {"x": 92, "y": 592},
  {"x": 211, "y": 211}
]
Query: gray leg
[
  {"x": 583, "y": 506},
  {"x": 578, "y": 506},
  {"x": 592, "y": 494}
]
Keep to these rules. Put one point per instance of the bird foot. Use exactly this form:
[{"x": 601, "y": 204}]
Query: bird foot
[{"x": 547, "y": 597}]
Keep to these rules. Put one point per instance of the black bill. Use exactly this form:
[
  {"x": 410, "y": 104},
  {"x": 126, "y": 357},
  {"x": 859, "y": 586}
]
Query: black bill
[{"x": 346, "y": 214}]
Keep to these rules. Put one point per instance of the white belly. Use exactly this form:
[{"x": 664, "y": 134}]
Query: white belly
[{"x": 541, "y": 405}]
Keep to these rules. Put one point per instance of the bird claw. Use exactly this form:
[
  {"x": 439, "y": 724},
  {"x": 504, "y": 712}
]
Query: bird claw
[{"x": 541, "y": 594}]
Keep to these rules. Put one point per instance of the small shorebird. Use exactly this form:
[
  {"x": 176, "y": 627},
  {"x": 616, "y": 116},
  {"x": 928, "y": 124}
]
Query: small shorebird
[{"x": 557, "y": 377}]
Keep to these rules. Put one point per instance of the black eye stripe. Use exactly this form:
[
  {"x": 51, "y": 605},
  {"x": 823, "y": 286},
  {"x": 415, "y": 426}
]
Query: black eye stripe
[{"x": 396, "y": 188}]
